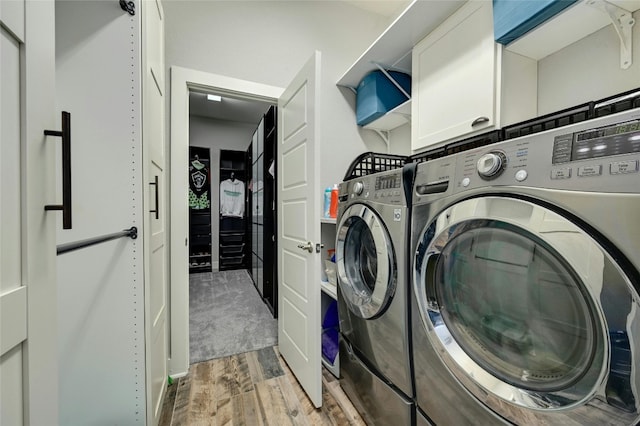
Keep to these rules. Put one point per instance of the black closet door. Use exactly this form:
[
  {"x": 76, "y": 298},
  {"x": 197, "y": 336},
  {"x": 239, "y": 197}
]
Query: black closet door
[{"x": 269, "y": 219}]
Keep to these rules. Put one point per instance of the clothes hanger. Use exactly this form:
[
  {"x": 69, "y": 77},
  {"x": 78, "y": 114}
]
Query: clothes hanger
[
  {"x": 196, "y": 163},
  {"x": 233, "y": 177}
]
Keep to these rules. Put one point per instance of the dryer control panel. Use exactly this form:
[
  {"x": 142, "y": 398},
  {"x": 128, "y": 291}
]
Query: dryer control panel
[
  {"x": 617, "y": 139},
  {"x": 600, "y": 155}
]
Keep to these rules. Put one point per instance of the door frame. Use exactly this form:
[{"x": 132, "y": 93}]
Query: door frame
[{"x": 182, "y": 81}]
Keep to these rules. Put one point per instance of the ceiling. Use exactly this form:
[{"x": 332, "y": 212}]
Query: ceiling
[
  {"x": 245, "y": 111},
  {"x": 387, "y": 8},
  {"x": 229, "y": 109}
]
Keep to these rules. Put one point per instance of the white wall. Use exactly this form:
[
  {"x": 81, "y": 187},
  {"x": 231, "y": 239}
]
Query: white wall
[
  {"x": 268, "y": 42},
  {"x": 587, "y": 70},
  {"x": 101, "y": 299},
  {"x": 217, "y": 135}
]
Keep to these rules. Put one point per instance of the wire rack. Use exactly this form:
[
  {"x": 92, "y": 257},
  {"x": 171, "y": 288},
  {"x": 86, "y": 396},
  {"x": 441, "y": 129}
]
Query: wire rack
[
  {"x": 550, "y": 121},
  {"x": 371, "y": 162},
  {"x": 455, "y": 147}
]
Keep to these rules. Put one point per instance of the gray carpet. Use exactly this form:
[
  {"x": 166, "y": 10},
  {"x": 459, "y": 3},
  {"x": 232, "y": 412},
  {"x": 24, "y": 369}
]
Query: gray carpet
[{"x": 227, "y": 316}]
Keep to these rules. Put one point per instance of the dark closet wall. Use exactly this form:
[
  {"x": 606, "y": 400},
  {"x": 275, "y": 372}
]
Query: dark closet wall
[
  {"x": 218, "y": 135},
  {"x": 263, "y": 207}
]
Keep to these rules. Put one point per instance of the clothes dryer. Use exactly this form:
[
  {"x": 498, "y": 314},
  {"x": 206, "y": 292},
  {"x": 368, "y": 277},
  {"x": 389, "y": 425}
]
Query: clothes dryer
[
  {"x": 371, "y": 244},
  {"x": 525, "y": 277}
]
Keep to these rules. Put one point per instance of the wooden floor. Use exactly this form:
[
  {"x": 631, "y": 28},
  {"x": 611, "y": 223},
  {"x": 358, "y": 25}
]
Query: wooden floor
[{"x": 254, "y": 388}]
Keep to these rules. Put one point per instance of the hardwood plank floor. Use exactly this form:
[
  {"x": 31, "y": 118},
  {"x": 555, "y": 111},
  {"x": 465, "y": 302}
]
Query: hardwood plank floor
[{"x": 254, "y": 388}]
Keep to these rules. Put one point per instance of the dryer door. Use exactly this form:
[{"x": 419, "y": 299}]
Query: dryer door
[
  {"x": 365, "y": 261},
  {"x": 523, "y": 305}
]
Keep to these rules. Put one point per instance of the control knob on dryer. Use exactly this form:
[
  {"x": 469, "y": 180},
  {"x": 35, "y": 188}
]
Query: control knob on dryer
[
  {"x": 491, "y": 164},
  {"x": 358, "y": 187}
]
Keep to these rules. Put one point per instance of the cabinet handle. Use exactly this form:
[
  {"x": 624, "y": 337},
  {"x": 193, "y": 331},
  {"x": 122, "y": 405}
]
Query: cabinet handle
[
  {"x": 157, "y": 209},
  {"x": 65, "y": 134},
  {"x": 479, "y": 120}
]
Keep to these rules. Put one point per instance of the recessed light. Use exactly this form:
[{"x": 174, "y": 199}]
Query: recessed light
[{"x": 214, "y": 98}]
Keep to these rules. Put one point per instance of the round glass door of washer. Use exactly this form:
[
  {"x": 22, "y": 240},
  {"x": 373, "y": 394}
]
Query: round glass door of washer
[
  {"x": 513, "y": 302},
  {"x": 365, "y": 262}
]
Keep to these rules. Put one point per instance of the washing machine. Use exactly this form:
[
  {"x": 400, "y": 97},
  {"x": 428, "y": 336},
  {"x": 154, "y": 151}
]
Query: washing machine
[
  {"x": 371, "y": 247},
  {"x": 525, "y": 278}
]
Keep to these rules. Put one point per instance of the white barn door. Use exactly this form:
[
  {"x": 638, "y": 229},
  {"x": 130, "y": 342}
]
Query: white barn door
[
  {"x": 153, "y": 140},
  {"x": 299, "y": 229},
  {"x": 28, "y": 315}
]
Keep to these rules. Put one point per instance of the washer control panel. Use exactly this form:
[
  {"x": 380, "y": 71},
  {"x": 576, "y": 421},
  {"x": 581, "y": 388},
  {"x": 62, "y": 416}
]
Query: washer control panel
[
  {"x": 491, "y": 164},
  {"x": 599, "y": 155},
  {"x": 383, "y": 187},
  {"x": 358, "y": 187}
]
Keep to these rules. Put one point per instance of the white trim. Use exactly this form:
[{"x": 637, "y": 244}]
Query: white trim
[
  {"x": 182, "y": 80},
  {"x": 40, "y": 356}
]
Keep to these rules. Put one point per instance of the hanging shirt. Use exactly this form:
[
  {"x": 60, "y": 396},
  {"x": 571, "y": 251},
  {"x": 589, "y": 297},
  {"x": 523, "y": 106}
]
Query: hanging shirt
[
  {"x": 198, "y": 186},
  {"x": 232, "y": 198}
]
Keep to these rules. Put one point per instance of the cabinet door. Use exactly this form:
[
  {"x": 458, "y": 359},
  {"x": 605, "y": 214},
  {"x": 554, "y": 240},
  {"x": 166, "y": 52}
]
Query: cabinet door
[{"x": 454, "y": 77}]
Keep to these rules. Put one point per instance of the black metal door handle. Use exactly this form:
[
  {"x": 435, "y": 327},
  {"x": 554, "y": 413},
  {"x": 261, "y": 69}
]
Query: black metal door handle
[
  {"x": 157, "y": 209},
  {"x": 65, "y": 134},
  {"x": 479, "y": 120}
]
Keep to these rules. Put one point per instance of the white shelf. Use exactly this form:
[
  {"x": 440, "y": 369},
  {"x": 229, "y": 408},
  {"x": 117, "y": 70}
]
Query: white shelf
[
  {"x": 569, "y": 26},
  {"x": 328, "y": 220},
  {"x": 393, "y": 48},
  {"x": 329, "y": 289},
  {"x": 333, "y": 368},
  {"x": 397, "y": 117}
]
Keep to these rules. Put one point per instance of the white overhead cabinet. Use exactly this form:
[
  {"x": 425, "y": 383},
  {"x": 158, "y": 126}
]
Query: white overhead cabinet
[{"x": 464, "y": 83}]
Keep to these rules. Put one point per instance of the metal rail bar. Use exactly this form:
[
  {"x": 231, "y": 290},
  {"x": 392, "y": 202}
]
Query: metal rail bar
[{"x": 66, "y": 248}]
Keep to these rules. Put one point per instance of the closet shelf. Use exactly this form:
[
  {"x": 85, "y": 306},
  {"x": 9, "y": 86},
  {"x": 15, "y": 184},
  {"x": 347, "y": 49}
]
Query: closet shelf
[
  {"x": 329, "y": 289},
  {"x": 392, "y": 49},
  {"x": 333, "y": 369},
  {"x": 573, "y": 24},
  {"x": 397, "y": 117}
]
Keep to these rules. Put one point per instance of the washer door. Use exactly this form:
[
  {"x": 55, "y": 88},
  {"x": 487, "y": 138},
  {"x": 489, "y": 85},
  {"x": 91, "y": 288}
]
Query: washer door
[
  {"x": 365, "y": 261},
  {"x": 521, "y": 303}
]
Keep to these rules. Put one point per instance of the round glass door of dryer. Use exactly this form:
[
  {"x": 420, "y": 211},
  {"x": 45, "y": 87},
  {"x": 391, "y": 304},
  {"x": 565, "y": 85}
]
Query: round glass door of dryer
[
  {"x": 520, "y": 303},
  {"x": 365, "y": 262}
]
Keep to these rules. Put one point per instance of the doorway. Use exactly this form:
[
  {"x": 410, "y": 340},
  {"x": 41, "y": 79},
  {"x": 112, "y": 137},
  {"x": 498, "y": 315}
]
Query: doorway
[
  {"x": 184, "y": 82},
  {"x": 226, "y": 313}
]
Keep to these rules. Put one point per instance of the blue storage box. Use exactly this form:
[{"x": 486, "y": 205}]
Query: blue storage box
[
  {"x": 330, "y": 344},
  {"x": 377, "y": 95},
  {"x": 513, "y": 19},
  {"x": 330, "y": 319}
]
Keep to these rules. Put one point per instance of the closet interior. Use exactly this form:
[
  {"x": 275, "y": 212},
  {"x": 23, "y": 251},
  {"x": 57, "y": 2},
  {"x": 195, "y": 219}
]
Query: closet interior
[
  {"x": 232, "y": 200},
  {"x": 233, "y": 225}
]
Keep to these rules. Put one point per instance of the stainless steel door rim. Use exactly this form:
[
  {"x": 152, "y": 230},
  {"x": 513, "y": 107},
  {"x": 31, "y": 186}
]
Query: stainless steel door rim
[
  {"x": 595, "y": 284},
  {"x": 365, "y": 262}
]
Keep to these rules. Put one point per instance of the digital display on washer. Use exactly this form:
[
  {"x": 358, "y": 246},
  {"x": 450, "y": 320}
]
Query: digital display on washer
[
  {"x": 388, "y": 182},
  {"x": 618, "y": 139}
]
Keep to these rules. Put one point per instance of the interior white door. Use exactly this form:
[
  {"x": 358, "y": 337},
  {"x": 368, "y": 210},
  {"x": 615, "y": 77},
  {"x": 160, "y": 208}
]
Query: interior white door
[
  {"x": 153, "y": 139},
  {"x": 28, "y": 318},
  {"x": 299, "y": 226}
]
